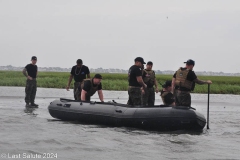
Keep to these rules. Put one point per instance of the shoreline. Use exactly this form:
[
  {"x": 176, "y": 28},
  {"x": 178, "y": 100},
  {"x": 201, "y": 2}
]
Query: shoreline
[{"x": 19, "y": 92}]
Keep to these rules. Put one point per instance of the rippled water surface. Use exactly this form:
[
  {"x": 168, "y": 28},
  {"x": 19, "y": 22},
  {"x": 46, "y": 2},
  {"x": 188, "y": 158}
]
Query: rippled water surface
[{"x": 35, "y": 132}]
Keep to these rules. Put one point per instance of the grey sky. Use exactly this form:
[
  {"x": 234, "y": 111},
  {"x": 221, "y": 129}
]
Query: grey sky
[{"x": 111, "y": 33}]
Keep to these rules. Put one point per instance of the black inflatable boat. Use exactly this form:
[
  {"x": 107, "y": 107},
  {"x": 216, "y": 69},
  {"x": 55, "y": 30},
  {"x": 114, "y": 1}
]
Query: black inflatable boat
[{"x": 116, "y": 114}]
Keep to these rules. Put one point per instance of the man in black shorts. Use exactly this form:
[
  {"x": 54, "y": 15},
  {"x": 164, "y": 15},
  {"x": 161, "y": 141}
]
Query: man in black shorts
[
  {"x": 183, "y": 82},
  {"x": 79, "y": 72},
  {"x": 90, "y": 86},
  {"x": 135, "y": 82},
  {"x": 30, "y": 71}
]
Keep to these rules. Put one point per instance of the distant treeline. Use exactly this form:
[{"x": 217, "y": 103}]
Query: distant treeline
[{"x": 118, "y": 82}]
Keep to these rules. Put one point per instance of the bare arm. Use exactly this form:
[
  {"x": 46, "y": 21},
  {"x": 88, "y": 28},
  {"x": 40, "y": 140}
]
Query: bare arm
[
  {"x": 25, "y": 74},
  {"x": 140, "y": 81},
  {"x": 156, "y": 85},
  {"x": 173, "y": 84},
  {"x": 88, "y": 76},
  {"x": 100, "y": 94},
  {"x": 198, "y": 81},
  {"x": 24, "y": 71},
  {"x": 69, "y": 82},
  {"x": 83, "y": 95}
]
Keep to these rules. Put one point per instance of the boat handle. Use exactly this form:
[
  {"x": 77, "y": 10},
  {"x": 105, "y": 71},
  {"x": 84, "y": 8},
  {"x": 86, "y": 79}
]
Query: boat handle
[
  {"x": 119, "y": 111},
  {"x": 59, "y": 104},
  {"x": 67, "y": 105}
]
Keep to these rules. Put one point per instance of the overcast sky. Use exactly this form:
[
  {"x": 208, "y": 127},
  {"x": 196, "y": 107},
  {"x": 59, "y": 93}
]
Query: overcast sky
[{"x": 112, "y": 33}]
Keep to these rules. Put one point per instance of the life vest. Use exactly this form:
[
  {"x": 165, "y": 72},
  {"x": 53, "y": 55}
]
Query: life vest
[
  {"x": 93, "y": 88},
  {"x": 181, "y": 79},
  {"x": 150, "y": 77}
]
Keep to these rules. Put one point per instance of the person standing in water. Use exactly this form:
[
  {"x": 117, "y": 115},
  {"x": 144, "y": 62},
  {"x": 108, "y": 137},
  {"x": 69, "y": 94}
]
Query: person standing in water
[
  {"x": 31, "y": 71},
  {"x": 135, "y": 82},
  {"x": 183, "y": 82},
  {"x": 149, "y": 78},
  {"x": 79, "y": 72}
]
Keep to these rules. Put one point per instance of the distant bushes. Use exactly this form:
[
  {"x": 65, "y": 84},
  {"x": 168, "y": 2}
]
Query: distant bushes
[{"x": 118, "y": 82}]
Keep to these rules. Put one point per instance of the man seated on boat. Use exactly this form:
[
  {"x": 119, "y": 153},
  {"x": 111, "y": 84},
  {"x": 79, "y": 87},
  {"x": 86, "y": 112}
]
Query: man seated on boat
[
  {"x": 166, "y": 94},
  {"x": 90, "y": 86}
]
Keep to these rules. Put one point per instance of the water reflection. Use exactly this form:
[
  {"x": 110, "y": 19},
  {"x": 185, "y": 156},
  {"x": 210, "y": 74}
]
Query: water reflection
[
  {"x": 30, "y": 111},
  {"x": 102, "y": 142}
]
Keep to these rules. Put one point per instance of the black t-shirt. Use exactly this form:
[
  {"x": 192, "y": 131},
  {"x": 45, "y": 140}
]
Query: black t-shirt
[
  {"x": 133, "y": 73},
  {"x": 87, "y": 86},
  {"x": 168, "y": 98},
  {"x": 32, "y": 70},
  {"x": 191, "y": 77},
  {"x": 79, "y": 73}
]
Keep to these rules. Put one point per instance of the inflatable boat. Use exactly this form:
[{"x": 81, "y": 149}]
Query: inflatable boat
[{"x": 116, "y": 114}]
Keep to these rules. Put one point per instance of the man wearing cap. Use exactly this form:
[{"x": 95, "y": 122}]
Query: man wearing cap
[
  {"x": 183, "y": 82},
  {"x": 166, "y": 94},
  {"x": 30, "y": 71},
  {"x": 135, "y": 82},
  {"x": 90, "y": 86},
  {"x": 149, "y": 78},
  {"x": 78, "y": 73}
]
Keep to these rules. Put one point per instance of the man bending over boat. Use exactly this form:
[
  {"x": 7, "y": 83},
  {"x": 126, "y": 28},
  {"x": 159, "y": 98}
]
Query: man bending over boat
[
  {"x": 135, "y": 82},
  {"x": 183, "y": 82},
  {"x": 166, "y": 94},
  {"x": 90, "y": 86}
]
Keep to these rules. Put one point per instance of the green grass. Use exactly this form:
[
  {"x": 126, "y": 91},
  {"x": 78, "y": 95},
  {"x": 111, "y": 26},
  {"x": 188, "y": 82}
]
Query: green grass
[{"x": 118, "y": 82}]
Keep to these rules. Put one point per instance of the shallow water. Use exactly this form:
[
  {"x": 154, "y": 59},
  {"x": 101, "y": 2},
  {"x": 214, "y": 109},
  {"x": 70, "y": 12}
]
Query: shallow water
[{"x": 35, "y": 132}]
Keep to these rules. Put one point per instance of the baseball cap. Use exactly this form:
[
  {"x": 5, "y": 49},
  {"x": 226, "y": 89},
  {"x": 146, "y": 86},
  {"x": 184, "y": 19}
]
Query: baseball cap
[
  {"x": 190, "y": 62},
  {"x": 167, "y": 84},
  {"x": 149, "y": 63},
  {"x": 98, "y": 76},
  {"x": 34, "y": 58},
  {"x": 139, "y": 59}
]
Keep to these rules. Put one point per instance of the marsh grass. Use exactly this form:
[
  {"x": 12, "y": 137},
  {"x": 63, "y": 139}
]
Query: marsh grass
[{"x": 118, "y": 82}]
